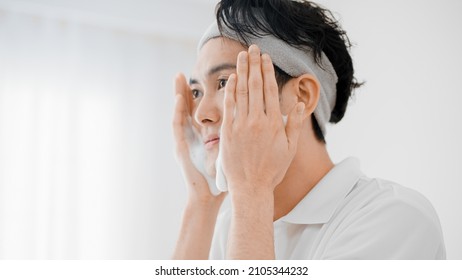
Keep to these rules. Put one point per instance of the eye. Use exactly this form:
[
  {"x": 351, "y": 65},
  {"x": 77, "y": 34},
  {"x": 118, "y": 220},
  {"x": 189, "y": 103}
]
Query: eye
[
  {"x": 196, "y": 93},
  {"x": 222, "y": 83}
]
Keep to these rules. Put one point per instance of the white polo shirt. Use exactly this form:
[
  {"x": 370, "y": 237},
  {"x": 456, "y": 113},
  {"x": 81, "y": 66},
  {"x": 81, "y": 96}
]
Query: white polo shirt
[{"x": 350, "y": 216}]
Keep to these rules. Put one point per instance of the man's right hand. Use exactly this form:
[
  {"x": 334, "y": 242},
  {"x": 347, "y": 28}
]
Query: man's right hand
[{"x": 197, "y": 185}]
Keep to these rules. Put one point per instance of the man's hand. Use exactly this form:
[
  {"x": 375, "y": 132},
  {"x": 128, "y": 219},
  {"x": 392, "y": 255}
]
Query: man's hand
[
  {"x": 257, "y": 151},
  {"x": 183, "y": 132}
]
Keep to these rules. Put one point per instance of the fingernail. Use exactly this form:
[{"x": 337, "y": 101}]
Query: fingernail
[
  {"x": 300, "y": 108},
  {"x": 254, "y": 49}
]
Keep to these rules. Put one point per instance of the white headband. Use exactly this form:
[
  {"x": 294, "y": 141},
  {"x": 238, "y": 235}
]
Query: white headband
[{"x": 294, "y": 62}]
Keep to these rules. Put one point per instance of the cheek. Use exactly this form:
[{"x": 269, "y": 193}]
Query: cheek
[
  {"x": 221, "y": 100},
  {"x": 193, "y": 118},
  {"x": 194, "y": 106},
  {"x": 287, "y": 101}
]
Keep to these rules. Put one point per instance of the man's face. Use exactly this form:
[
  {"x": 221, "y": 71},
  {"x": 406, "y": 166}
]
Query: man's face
[{"x": 215, "y": 63}]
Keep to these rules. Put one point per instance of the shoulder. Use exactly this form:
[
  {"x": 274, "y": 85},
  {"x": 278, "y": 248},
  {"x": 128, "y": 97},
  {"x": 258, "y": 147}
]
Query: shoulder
[
  {"x": 388, "y": 197},
  {"x": 388, "y": 221}
]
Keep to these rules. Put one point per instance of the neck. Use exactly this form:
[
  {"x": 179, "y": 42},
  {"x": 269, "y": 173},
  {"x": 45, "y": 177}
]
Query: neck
[{"x": 311, "y": 163}]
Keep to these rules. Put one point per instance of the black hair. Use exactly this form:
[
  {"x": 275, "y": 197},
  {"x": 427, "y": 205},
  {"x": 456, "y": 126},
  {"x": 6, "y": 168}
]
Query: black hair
[{"x": 301, "y": 24}]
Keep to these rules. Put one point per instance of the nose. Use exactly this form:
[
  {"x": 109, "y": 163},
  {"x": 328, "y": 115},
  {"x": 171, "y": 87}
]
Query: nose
[{"x": 208, "y": 111}]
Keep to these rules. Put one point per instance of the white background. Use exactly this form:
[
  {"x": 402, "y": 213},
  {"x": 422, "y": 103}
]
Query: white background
[{"x": 86, "y": 161}]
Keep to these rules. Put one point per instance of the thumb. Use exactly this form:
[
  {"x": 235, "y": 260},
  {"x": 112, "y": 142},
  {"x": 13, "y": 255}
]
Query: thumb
[{"x": 294, "y": 126}]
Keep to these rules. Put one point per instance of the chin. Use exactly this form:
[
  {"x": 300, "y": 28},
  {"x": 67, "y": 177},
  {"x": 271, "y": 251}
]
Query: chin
[
  {"x": 211, "y": 169},
  {"x": 210, "y": 163}
]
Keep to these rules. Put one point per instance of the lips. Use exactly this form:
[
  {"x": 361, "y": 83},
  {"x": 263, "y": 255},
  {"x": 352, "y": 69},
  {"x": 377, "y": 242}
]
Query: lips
[{"x": 211, "y": 141}]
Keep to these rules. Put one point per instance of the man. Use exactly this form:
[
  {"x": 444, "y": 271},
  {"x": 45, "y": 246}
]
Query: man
[{"x": 262, "y": 60}]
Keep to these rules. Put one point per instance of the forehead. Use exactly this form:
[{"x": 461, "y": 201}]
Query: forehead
[{"x": 216, "y": 51}]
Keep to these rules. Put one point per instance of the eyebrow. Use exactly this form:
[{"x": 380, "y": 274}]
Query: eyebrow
[{"x": 214, "y": 70}]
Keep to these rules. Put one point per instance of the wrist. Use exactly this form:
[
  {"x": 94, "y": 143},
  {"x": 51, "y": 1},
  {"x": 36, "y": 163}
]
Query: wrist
[
  {"x": 250, "y": 191},
  {"x": 248, "y": 197},
  {"x": 204, "y": 206}
]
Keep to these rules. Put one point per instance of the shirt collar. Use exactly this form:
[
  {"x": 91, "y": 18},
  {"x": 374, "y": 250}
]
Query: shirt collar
[{"x": 318, "y": 206}]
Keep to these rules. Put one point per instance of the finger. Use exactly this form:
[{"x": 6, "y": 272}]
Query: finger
[
  {"x": 181, "y": 109},
  {"x": 255, "y": 83},
  {"x": 270, "y": 88},
  {"x": 228, "y": 115},
  {"x": 182, "y": 88},
  {"x": 294, "y": 126},
  {"x": 242, "y": 99},
  {"x": 179, "y": 117}
]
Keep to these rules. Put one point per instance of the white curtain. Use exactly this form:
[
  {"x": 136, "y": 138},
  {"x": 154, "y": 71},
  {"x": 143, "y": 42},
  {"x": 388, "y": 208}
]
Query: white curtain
[{"x": 85, "y": 141}]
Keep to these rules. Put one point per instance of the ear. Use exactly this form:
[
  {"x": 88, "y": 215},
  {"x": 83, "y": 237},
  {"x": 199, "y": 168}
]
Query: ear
[{"x": 308, "y": 92}]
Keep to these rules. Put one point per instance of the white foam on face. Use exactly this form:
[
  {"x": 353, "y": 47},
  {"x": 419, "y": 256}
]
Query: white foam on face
[{"x": 198, "y": 156}]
